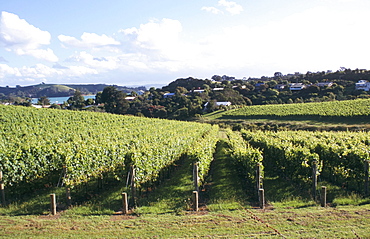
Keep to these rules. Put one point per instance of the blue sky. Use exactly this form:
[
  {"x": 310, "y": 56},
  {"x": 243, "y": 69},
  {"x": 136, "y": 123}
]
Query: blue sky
[{"x": 145, "y": 42}]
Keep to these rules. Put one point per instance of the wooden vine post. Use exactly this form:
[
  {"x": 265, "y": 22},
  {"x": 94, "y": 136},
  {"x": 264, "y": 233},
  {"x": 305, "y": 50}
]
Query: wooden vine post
[
  {"x": 258, "y": 176},
  {"x": 195, "y": 201},
  {"x": 133, "y": 186},
  {"x": 124, "y": 203},
  {"x": 367, "y": 162},
  {"x": 323, "y": 196},
  {"x": 196, "y": 176},
  {"x": 2, "y": 189},
  {"x": 314, "y": 179},
  {"x": 261, "y": 198},
  {"x": 53, "y": 204},
  {"x": 68, "y": 190}
]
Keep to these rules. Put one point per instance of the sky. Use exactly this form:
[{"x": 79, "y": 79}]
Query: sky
[{"x": 146, "y": 42}]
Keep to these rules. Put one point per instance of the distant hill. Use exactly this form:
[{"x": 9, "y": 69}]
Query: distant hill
[{"x": 55, "y": 90}]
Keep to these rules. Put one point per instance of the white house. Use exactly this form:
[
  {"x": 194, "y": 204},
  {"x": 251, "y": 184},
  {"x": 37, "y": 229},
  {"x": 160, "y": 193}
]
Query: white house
[
  {"x": 363, "y": 85},
  {"x": 198, "y": 91},
  {"x": 279, "y": 86},
  {"x": 168, "y": 95},
  {"x": 130, "y": 98},
  {"x": 324, "y": 84},
  {"x": 219, "y": 103},
  {"x": 297, "y": 86},
  {"x": 226, "y": 103}
]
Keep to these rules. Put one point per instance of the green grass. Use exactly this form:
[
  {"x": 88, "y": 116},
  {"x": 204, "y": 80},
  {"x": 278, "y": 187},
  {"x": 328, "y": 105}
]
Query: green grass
[
  {"x": 311, "y": 222},
  {"x": 173, "y": 195}
]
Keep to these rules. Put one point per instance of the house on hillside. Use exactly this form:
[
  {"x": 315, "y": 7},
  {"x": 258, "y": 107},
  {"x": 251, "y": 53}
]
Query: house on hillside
[
  {"x": 225, "y": 103},
  {"x": 260, "y": 85},
  {"x": 140, "y": 92},
  {"x": 363, "y": 85},
  {"x": 297, "y": 86},
  {"x": 198, "y": 91},
  {"x": 130, "y": 98},
  {"x": 168, "y": 95},
  {"x": 218, "y": 103},
  {"x": 241, "y": 87},
  {"x": 324, "y": 84},
  {"x": 279, "y": 86}
]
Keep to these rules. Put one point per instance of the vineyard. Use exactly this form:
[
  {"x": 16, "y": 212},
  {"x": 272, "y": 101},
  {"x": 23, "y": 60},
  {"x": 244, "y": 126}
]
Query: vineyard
[
  {"x": 350, "y": 115},
  {"x": 43, "y": 148},
  {"x": 348, "y": 108},
  {"x": 341, "y": 158},
  {"x": 41, "y": 143}
]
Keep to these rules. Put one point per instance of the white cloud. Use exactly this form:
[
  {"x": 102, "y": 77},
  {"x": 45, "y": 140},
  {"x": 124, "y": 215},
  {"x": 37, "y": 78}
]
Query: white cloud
[
  {"x": 102, "y": 63},
  {"x": 79, "y": 71},
  {"x": 40, "y": 72},
  {"x": 18, "y": 36},
  {"x": 155, "y": 34},
  {"x": 231, "y": 7},
  {"x": 298, "y": 42},
  {"x": 88, "y": 40},
  {"x": 319, "y": 38},
  {"x": 213, "y": 10},
  {"x": 6, "y": 70}
]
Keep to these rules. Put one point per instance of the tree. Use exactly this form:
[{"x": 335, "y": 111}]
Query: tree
[
  {"x": 98, "y": 98},
  {"x": 76, "y": 101},
  {"x": 216, "y": 78},
  {"x": 114, "y": 100},
  {"x": 89, "y": 101},
  {"x": 181, "y": 114},
  {"x": 278, "y": 75},
  {"x": 55, "y": 106},
  {"x": 43, "y": 100}
]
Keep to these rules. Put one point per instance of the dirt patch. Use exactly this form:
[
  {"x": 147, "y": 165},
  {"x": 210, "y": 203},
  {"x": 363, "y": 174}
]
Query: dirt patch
[
  {"x": 120, "y": 217},
  {"x": 50, "y": 217}
]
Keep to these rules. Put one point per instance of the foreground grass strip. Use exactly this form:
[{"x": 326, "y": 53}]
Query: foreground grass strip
[{"x": 311, "y": 222}]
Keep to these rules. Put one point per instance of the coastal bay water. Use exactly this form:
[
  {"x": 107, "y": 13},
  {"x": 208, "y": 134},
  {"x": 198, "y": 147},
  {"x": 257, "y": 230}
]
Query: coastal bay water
[{"x": 60, "y": 100}]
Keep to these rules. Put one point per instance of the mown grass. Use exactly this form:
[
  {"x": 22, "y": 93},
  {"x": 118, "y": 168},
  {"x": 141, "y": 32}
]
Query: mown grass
[{"x": 310, "y": 222}]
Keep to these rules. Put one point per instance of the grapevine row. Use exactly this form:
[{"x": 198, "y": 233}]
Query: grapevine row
[
  {"x": 244, "y": 156},
  {"x": 340, "y": 155},
  {"x": 35, "y": 143},
  {"x": 348, "y": 108}
]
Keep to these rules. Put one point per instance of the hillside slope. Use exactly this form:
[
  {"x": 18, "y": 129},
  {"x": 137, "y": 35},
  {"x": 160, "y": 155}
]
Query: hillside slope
[{"x": 336, "y": 115}]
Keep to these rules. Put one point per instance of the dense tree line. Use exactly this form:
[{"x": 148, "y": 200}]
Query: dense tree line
[{"x": 189, "y": 97}]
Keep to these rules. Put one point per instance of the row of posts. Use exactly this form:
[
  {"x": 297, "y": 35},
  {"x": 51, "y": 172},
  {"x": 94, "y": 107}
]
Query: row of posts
[
  {"x": 260, "y": 190},
  {"x": 195, "y": 196}
]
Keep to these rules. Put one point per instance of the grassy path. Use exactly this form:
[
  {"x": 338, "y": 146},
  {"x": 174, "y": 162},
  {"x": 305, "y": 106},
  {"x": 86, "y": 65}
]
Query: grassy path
[{"x": 224, "y": 188}]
